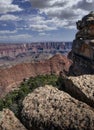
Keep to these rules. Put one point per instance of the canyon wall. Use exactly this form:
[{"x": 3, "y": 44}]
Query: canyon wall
[
  {"x": 12, "y": 76},
  {"x": 13, "y": 50}
]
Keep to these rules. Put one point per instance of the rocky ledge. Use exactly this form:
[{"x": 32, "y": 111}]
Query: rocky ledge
[
  {"x": 80, "y": 87},
  {"x": 48, "y": 108}
]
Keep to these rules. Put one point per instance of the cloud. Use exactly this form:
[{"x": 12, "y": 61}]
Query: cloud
[
  {"x": 41, "y": 28},
  {"x": 9, "y": 17},
  {"x": 7, "y": 6},
  {"x": 64, "y": 10},
  {"x": 7, "y": 32},
  {"x": 40, "y": 3},
  {"x": 50, "y": 16},
  {"x": 41, "y": 24},
  {"x": 87, "y": 5},
  {"x": 42, "y": 34}
]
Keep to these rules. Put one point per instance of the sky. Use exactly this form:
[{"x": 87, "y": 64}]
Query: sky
[{"x": 24, "y": 21}]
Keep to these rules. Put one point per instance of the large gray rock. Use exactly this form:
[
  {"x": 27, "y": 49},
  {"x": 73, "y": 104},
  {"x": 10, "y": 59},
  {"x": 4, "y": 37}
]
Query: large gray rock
[
  {"x": 48, "y": 108},
  {"x": 9, "y": 122}
]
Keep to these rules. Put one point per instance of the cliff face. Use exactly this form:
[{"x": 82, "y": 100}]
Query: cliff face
[
  {"x": 15, "y": 50},
  {"x": 82, "y": 52},
  {"x": 12, "y": 50},
  {"x": 13, "y": 76}
]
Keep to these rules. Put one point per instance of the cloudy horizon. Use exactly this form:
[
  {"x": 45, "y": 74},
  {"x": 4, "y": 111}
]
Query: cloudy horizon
[{"x": 41, "y": 20}]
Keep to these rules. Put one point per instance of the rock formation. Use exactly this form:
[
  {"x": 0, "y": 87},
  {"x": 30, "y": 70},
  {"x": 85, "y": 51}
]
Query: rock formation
[
  {"x": 80, "y": 87},
  {"x": 13, "y": 50},
  {"x": 82, "y": 52},
  {"x": 48, "y": 108},
  {"x": 9, "y": 122},
  {"x": 11, "y": 77}
]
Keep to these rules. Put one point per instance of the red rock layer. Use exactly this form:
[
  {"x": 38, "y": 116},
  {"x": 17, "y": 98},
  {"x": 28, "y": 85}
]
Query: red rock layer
[{"x": 13, "y": 76}]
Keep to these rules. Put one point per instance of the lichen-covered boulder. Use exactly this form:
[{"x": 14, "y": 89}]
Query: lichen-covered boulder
[
  {"x": 48, "y": 108},
  {"x": 8, "y": 121},
  {"x": 80, "y": 87}
]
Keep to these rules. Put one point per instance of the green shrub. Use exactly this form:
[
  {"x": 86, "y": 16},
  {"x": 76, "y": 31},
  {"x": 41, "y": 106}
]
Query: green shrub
[{"x": 14, "y": 99}]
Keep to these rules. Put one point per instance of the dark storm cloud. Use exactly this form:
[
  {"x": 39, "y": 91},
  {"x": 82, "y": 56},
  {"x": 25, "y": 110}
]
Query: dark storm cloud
[
  {"x": 39, "y": 3},
  {"x": 85, "y": 5}
]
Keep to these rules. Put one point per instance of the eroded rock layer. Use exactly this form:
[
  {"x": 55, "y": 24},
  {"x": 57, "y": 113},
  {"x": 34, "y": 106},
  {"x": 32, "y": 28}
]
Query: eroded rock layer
[
  {"x": 82, "y": 52},
  {"x": 11, "y": 77}
]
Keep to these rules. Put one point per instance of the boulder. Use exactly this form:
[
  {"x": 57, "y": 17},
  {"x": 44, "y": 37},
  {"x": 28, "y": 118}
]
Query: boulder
[
  {"x": 48, "y": 108},
  {"x": 8, "y": 121},
  {"x": 80, "y": 87}
]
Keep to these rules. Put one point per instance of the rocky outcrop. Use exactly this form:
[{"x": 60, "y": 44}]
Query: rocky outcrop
[
  {"x": 13, "y": 76},
  {"x": 9, "y": 122},
  {"x": 85, "y": 83},
  {"x": 80, "y": 87},
  {"x": 48, "y": 108},
  {"x": 82, "y": 52}
]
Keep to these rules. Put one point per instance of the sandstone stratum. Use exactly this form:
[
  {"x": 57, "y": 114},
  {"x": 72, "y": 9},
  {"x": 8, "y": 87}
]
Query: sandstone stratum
[{"x": 11, "y": 77}]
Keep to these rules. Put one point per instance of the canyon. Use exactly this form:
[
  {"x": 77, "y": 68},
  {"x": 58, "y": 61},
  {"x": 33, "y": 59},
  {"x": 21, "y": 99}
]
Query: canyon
[
  {"x": 12, "y": 76},
  {"x": 67, "y": 106},
  {"x": 14, "y": 50},
  {"x": 27, "y": 52}
]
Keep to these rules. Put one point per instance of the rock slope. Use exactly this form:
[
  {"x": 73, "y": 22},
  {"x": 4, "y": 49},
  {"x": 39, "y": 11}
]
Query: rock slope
[
  {"x": 9, "y": 122},
  {"x": 13, "y": 76},
  {"x": 48, "y": 108}
]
